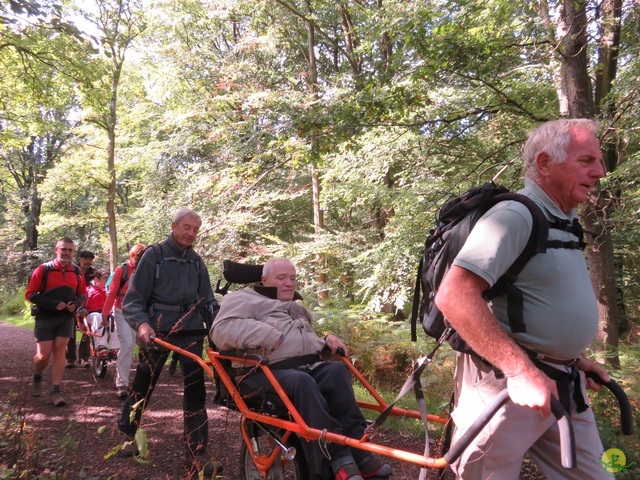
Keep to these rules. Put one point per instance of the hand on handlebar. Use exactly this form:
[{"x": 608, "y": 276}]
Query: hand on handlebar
[
  {"x": 532, "y": 389},
  {"x": 144, "y": 334},
  {"x": 586, "y": 366},
  {"x": 334, "y": 344}
]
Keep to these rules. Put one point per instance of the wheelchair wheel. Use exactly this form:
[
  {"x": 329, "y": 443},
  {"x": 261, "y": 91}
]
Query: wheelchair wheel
[
  {"x": 263, "y": 444},
  {"x": 99, "y": 367}
]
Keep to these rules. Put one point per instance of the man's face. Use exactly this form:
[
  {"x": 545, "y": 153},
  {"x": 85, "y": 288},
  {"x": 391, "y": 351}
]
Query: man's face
[
  {"x": 85, "y": 263},
  {"x": 568, "y": 183},
  {"x": 185, "y": 231},
  {"x": 64, "y": 252},
  {"x": 283, "y": 277}
]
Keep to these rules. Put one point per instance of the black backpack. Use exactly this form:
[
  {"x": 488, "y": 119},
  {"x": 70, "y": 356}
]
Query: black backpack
[{"x": 454, "y": 222}]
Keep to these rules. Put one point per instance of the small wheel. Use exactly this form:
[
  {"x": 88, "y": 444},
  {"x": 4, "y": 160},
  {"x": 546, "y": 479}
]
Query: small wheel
[
  {"x": 99, "y": 367},
  {"x": 295, "y": 469}
]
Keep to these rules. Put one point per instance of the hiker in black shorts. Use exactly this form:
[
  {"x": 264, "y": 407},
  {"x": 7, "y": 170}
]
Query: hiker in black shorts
[{"x": 57, "y": 289}]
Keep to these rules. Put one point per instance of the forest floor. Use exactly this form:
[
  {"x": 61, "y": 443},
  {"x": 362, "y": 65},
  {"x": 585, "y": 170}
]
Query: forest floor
[
  {"x": 77, "y": 441},
  {"x": 73, "y": 441}
]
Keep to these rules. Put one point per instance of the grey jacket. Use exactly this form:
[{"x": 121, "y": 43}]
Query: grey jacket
[
  {"x": 171, "y": 292},
  {"x": 253, "y": 322}
]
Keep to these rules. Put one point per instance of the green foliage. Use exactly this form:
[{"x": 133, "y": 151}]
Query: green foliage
[
  {"x": 220, "y": 107},
  {"x": 382, "y": 351},
  {"x": 18, "y": 443},
  {"x": 12, "y": 302}
]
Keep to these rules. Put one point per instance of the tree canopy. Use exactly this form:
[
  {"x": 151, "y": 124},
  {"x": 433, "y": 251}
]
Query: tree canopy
[{"x": 263, "y": 115}]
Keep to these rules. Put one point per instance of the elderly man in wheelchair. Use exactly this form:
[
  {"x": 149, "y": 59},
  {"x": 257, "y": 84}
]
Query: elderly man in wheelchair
[{"x": 267, "y": 320}]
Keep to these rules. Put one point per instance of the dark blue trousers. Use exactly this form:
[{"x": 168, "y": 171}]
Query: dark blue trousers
[
  {"x": 150, "y": 364},
  {"x": 325, "y": 399}
]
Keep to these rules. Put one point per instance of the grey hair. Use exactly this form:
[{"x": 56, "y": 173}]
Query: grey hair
[
  {"x": 553, "y": 139},
  {"x": 184, "y": 212},
  {"x": 266, "y": 270}
]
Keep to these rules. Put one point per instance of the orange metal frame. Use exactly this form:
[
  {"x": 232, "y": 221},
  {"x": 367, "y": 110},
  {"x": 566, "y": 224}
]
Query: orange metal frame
[{"x": 297, "y": 425}]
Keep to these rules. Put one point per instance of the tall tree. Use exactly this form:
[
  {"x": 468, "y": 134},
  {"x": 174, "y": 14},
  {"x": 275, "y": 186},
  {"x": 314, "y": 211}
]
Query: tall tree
[
  {"x": 36, "y": 103},
  {"x": 574, "y": 49},
  {"x": 117, "y": 23}
]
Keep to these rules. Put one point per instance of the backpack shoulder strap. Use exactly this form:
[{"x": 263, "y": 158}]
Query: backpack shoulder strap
[
  {"x": 124, "y": 276},
  {"x": 46, "y": 267},
  {"x": 76, "y": 269},
  {"x": 157, "y": 251},
  {"x": 537, "y": 242}
]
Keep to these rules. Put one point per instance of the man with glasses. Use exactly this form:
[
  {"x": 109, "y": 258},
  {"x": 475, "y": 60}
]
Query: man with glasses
[{"x": 57, "y": 289}]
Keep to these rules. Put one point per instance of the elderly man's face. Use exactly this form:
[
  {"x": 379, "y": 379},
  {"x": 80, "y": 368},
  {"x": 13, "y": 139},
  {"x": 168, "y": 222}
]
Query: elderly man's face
[
  {"x": 283, "y": 277},
  {"x": 568, "y": 183},
  {"x": 185, "y": 231}
]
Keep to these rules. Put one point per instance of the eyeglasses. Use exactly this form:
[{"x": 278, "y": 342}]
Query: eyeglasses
[{"x": 62, "y": 249}]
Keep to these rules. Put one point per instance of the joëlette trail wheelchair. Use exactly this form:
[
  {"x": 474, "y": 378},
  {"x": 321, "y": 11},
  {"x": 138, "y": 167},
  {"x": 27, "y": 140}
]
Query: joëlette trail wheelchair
[
  {"x": 103, "y": 342},
  {"x": 272, "y": 428}
]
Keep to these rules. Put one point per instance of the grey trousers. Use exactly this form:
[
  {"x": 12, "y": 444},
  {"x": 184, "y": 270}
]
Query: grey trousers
[{"x": 498, "y": 451}]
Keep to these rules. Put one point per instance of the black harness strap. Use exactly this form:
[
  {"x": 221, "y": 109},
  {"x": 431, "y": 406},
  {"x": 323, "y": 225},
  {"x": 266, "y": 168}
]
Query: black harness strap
[{"x": 564, "y": 380}]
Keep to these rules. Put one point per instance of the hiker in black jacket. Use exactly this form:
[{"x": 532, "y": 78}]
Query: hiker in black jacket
[
  {"x": 544, "y": 357},
  {"x": 170, "y": 294}
]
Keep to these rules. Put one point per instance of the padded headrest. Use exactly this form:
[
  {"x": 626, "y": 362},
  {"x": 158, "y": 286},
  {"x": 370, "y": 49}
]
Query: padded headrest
[{"x": 235, "y": 272}]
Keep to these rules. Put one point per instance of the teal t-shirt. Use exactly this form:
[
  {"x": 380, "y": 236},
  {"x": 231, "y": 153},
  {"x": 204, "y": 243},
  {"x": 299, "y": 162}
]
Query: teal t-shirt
[{"x": 560, "y": 307}]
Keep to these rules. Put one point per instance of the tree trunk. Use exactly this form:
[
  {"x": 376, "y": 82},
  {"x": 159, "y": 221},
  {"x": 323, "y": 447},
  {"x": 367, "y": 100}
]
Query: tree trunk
[
  {"x": 111, "y": 168},
  {"x": 602, "y": 271},
  {"x": 318, "y": 214},
  {"x": 575, "y": 71},
  {"x": 596, "y": 211}
]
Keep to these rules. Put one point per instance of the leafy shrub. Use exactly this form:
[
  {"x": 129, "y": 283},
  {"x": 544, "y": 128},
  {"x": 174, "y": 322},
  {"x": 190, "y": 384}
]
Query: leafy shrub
[{"x": 12, "y": 301}]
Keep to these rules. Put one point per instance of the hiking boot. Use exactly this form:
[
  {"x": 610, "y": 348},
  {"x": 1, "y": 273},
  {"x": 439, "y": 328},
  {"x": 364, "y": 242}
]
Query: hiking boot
[
  {"x": 57, "y": 400},
  {"x": 129, "y": 447},
  {"x": 70, "y": 364},
  {"x": 202, "y": 463},
  {"x": 374, "y": 467},
  {"x": 122, "y": 392},
  {"x": 36, "y": 388}
]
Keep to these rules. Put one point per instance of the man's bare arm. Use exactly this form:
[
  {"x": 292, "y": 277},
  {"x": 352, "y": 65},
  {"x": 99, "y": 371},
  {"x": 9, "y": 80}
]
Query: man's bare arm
[{"x": 460, "y": 300}]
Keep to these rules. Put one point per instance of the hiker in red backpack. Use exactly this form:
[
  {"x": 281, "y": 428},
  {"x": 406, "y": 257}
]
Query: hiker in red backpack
[
  {"x": 57, "y": 289},
  {"x": 118, "y": 286},
  {"x": 544, "y": 356}
]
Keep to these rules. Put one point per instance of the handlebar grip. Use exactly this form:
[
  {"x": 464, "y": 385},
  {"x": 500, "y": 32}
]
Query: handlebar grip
[
  {"x": 567, "y": 438},
  {"x": 626, "y": 415},
  {"x": 472, "y": 432}
]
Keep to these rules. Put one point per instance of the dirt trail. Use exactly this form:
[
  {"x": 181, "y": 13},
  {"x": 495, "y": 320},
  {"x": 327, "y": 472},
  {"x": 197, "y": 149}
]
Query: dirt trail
[{"x": 70, "y": 435}]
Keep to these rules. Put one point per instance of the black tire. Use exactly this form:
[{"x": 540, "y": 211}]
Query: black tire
[
  {"x": 295, "y": 469},
  {"x": 99, "y": 367}
]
